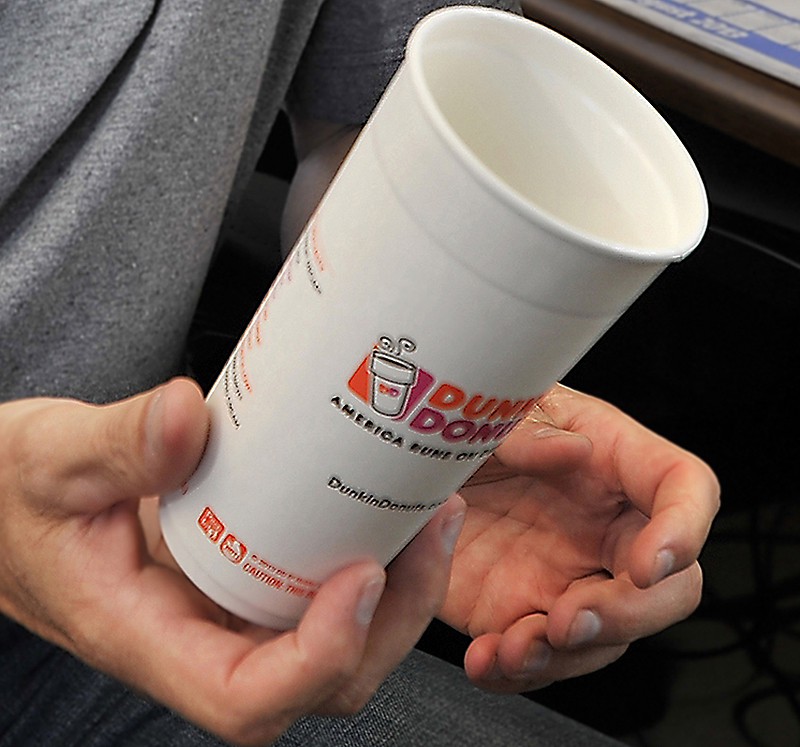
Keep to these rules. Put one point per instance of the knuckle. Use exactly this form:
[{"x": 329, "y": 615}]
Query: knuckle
[
  {"x": 245, "y": 727},
  {"x": 427, "y": 606},
  {"x": 344, "y": 685},
  {"x": 256, "y": 735},
  {"x": 339, "y": 666},
  {"x": 33, "y": 469},
  {"x": 122, "y": 446},
  {"x": 430, "y": 591},
  {"x": 351, "y": 699},
  {"x": 333, "y": 661}
]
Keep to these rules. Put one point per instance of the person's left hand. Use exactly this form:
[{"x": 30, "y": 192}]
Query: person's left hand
[{"x": 582, "y": 534}]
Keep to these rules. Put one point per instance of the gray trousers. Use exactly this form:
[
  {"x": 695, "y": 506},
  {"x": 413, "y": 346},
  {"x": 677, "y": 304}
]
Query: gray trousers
[{"x": 50, "y": 699}]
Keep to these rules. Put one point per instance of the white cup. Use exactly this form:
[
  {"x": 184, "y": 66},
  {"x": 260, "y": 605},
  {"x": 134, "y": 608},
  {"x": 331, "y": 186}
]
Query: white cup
[{"x": 509, "y": 198}]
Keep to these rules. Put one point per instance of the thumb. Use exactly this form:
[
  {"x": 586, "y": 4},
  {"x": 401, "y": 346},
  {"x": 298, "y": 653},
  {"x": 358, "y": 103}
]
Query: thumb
[{"x": 74, "y": 457}]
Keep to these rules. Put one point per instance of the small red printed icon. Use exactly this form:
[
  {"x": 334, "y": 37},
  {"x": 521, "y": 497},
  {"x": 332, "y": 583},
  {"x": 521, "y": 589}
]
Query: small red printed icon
[
  {"x": 233, "y": 549},
  {"x": 212, "y": 527},
  {"x": 389, "y": 391}
]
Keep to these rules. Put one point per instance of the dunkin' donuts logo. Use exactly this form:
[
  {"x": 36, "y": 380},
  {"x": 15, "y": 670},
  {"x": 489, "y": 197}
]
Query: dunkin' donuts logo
[
  {"x": 388, "y": 382},
  {"x": 395, "y": 387}
]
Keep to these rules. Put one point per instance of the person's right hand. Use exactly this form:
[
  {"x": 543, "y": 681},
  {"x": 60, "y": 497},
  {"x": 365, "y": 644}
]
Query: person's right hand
[{"x": 75, "y": 568}]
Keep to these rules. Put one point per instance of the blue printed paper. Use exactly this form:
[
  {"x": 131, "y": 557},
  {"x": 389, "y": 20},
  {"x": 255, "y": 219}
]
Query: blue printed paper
[{"x": 764, "y": 34}]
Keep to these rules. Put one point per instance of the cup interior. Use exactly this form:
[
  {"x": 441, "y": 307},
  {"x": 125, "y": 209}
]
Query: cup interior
[{"x": 559, "y": 132}]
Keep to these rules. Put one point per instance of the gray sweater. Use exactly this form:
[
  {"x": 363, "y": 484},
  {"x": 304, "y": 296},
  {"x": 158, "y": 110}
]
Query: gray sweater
[{"x": 128, "y": 129}]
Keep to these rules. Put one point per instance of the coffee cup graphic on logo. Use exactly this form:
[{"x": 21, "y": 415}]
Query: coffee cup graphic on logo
[
  {"x": 392, "y": 376},
  {"x": 392, "y": 379},
  {"x": 524, "y": 195}
]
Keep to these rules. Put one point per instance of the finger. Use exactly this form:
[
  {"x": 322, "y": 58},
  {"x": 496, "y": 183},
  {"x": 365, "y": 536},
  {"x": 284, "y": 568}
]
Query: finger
[
  {"x": 416, "y": 585},
  {"x": 83, "y": 458},
  {"x": 321, "y": 657},
  {"x": 629, "y": 454},
  {"x": 521, "y": 659},
  {"x": 614, "y": 611},
  {"x": 246, "y": 686},
  {"x": 539, "y": 445},
  {"x": 337, "y": 678},
  {"x": 684, "y": 507},
  {"x": 675, "y": 489},
  {"x": 650, "y": 549}
]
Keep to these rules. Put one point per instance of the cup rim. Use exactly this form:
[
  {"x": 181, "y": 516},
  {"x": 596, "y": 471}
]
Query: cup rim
[
  {"x": 676, "y": 250},
  {"x": 404, "y": 369}
]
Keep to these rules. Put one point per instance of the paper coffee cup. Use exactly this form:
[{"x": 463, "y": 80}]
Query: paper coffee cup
[{"x": 509, "y": 198}]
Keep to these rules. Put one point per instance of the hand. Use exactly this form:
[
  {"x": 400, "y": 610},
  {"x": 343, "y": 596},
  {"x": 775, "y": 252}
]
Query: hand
[
  {"x": 75, "y": 568},
  {"x": 582, "y": 534}
]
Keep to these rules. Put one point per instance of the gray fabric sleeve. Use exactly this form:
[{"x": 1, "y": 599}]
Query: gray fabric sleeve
[
  {"x": 354, "y": 50},
  {"x": 126, "y": 127}
]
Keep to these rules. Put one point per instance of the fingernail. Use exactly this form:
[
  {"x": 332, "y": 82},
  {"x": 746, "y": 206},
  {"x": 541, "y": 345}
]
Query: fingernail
[
  {"x": 549, "y": 431},
  {"x": 368, "y": 601},
  {"x": 537, "y": 659},
  {"x": 450, "y": 531},
  {"x": 585, "y": 627},
  {"x": 665, "y": 562},
  {"x": 546, "y": 431}
]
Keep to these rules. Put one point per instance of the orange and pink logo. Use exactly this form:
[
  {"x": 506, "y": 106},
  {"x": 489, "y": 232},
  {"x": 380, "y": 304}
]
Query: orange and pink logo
[{"x": 397, "y": 388}]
